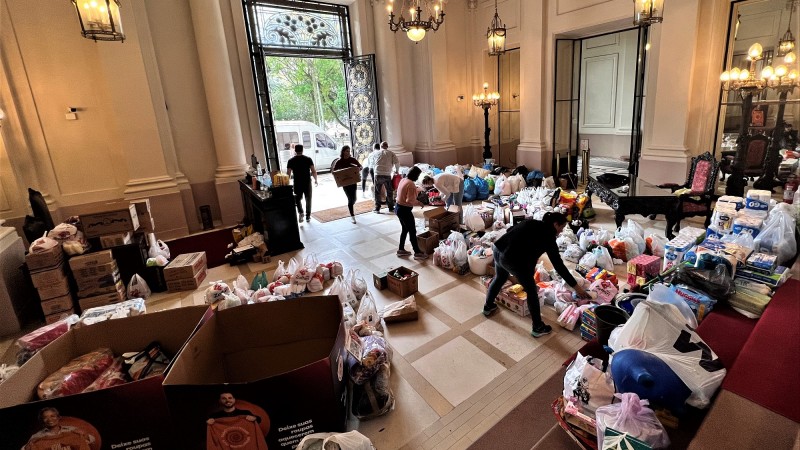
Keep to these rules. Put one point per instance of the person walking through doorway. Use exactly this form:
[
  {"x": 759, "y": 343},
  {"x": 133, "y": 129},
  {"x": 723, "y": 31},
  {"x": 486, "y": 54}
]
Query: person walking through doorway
[
  {"x": 385, "y": 161},
  {"x": 517, "y": 253},
  {"x": 303, "y": 168},
  {"x": 369, "y": 169},
  {"x": 345, "y": 161}
]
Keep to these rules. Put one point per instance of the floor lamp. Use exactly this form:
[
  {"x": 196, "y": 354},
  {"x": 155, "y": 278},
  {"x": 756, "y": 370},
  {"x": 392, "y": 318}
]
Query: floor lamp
[{"x": 486, "y": 100}]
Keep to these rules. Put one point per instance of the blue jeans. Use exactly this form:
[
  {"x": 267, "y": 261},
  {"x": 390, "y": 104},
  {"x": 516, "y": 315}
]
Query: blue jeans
[
  {"x": 384, "y": 180},
  {"x": 456, "y": 198}
]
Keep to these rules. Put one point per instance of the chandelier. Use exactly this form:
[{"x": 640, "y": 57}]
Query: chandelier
[
  {"x": 786, "y": 43},
  {"x": 747, "y": 81},
  {"x": 99, "y": 19},
  {"x": 496, "y": 34},
  {"x": 646, "y": 12},
  {"x": 416, "y": 26}
]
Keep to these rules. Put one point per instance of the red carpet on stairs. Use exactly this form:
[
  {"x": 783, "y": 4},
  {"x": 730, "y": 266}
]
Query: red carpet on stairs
[{"x": 767, "y": 368}]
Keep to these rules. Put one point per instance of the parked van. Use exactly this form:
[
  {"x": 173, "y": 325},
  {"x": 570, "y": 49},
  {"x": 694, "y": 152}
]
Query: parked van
[{"x": 317, "y": 144}]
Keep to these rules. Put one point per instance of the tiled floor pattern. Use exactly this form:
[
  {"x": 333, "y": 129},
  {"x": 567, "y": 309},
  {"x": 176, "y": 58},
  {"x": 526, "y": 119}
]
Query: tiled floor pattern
[{"x": 455, "y": 373}]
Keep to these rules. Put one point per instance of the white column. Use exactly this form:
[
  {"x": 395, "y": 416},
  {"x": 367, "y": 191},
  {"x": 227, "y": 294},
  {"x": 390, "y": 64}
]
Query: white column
[
  {"x": 532, "y": 151},
  {"x": 388, "y": 85},
  {"x": 222, "y": 109},
  {"x": 670, "y": 60}
]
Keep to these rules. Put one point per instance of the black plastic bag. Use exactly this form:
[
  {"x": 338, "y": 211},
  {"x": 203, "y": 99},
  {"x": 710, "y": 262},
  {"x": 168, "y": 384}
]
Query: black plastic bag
[{"x": 714, "y": 282}]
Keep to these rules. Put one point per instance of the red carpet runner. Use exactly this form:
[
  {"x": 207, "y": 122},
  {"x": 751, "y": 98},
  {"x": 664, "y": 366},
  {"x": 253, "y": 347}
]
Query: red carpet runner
[{"x": 767, "y": 367}]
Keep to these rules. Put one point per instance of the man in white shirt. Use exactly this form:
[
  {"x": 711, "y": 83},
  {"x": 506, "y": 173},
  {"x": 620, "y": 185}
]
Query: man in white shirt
[
  {"x": 384, "y": 161},
  {"x": 451, "y": 187}
]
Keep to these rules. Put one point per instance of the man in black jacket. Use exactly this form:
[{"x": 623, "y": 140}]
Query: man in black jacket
[{"x": 517, "y": 252}]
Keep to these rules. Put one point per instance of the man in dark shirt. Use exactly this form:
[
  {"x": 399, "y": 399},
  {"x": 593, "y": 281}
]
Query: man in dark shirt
[
  {"x": 303, "y": 168},
  {"x": 229, "y": 409},
  {"x": 517, "y": 252}
]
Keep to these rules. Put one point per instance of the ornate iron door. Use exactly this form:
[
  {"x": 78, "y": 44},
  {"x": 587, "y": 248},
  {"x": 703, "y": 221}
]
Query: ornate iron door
[{"x": 362, "y": 101}]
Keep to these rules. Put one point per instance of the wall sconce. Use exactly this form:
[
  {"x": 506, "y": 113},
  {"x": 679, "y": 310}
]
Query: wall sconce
[{"x": 460, "y": 98}]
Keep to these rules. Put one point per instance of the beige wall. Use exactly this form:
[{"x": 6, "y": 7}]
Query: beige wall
[{"x": 143, "y": 125}]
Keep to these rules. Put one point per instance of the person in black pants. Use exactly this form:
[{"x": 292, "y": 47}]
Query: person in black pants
[
  {"x": 345, "y": 161},
  {"x": 407, "y": 199},
  {"x": 303, "y": 168},
  {"x": 517, "y": 252}
]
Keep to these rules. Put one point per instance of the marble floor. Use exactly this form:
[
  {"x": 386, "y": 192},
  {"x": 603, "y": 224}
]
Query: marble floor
[{"x": 455, "y": 373}]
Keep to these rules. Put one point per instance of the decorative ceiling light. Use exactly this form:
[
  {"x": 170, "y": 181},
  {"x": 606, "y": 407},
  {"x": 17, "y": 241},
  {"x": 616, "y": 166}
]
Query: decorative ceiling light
[
  {"x": 415, "y": 26},
  {"x": 99, "y": 19},
  {"x": 786, "y": 43},
  {"x": 496, "y": 35},
  {"x": 646, "y": 12}
]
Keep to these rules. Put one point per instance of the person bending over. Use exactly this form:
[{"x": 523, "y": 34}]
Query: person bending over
[{"x": 517, "y": 253}]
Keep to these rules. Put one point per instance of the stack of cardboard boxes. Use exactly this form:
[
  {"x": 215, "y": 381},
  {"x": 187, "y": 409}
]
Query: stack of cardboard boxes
[
  {"x": 186, "y": 272},
  {"x": 47, "y": 275},
  {"x": 98, "y": 279},
  {"x": 113, "y": 223}
]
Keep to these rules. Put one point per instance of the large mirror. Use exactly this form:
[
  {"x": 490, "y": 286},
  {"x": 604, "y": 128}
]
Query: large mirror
[{"x": 768, "y": 135}]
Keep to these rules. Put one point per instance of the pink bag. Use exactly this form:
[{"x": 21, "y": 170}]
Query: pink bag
[
  {"x": 605, "y": 290},
  {"x": 569, "y": 317}
]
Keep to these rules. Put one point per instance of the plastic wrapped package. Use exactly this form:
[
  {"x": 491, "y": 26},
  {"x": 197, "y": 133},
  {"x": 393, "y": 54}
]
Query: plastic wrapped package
[
  {"x": 373, "y": 398},
  {"x": 631, "y": 416},
  {"x": 374, "y": 353},
  {"x": 777, "y": 237},
  {"x": 401, "y": 310},
  {"x": 715, "y": 282},
  {"x": 150, "y": 362},
  {"x": 76, "y": 375},
  {"x": 115, "y": 375},
  {"x": 661, "y": 329},
  {"x": 128, "y": 308},
  {"x": 42, "y": 336},
  {"x": 661, "y": 293}
]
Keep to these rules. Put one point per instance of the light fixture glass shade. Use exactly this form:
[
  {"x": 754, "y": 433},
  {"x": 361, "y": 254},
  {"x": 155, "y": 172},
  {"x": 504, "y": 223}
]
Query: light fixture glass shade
[
  {"x": 755, "y": 51},
  {"x": 789, "y": 58},
  {"x": 100, "y": 19},
  {"x": 416, "y": 34},
  {"x": 786, "y": 42},
  {"x": 496, "y": 34},
  {"x": 646, "y": 12}
]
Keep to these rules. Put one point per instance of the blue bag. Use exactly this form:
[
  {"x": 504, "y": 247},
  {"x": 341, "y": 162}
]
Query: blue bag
[
  {"x": 483, "y": 188},
  {"x": 470, "y": 190}
]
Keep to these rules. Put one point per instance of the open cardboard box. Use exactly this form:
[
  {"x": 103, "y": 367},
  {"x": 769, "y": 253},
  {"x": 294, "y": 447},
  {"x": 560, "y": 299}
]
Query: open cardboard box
[
  {"x": 283, "y": 362},
  {"x": 129, "y": 416}
]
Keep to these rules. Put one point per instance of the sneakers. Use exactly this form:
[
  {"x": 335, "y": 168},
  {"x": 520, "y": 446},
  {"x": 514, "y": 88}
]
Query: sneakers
[
  {"x": 420, "y": 256},
  {"x": 403, "y": 253},
  {"x": 308, "y": 219},
  {"x": 353, "y": 219},
  {"x": 541, "y": 330},
  {"x": 490, "y": 311},
  {"x": 300, "y": 217},
  {"x": 377, "y": 211}
]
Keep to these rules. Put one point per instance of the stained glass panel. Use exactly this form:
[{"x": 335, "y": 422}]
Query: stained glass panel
[{"x": 362, "y": 97}]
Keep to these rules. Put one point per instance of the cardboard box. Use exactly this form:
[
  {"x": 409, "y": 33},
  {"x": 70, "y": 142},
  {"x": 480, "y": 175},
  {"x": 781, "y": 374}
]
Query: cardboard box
[
  {"x": 146, "y": 223},
  {"x": 110, "y": 283},
  {"x": 293, "y": 377},
  {"x": 187, "y": 284},
  {"x": 380, "y": 281},
  {"x": 402, "y": 287},
  {"x": 107, "y": 218},
  {"x": 42, "y": 260},
  {"x": 53, "y": 318},
  {"x": 645, "y": 266},
  {"x": 441, "y": 221},
  {"x": 186, "y": 265},
  {"x": 142, "y": 205},
  {"x": 44, "y": 278},
  {"x": 348, "y": 176},
  {"x": 57, "y": 289},
  {"x": 513, "y": 303},
  {"x": 57, "y": 305},
  {"x": 92, "y": 272},
  {"x": 129, "y": 416},
  {"x": 115, "y": 296},
  {"x": 428, "y": 241},
  {"x": 76, "y": 263},
  {"x": 113, "y": 240}
]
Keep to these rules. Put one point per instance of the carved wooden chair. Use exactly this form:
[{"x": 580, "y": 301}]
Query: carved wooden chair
[
  {"x": 701, "y": 180},
  {"x": 757, "y": 148}
]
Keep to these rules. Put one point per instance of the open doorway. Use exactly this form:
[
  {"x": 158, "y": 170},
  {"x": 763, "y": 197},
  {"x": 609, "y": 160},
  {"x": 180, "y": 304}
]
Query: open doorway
[{"x": 598, "y": 104}]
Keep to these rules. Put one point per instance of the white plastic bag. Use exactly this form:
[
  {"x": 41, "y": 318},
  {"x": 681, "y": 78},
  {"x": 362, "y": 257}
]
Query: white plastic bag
[
  {"x": 662, "y": 294},
  {"x": 660, "y": 329},
  {"x": 460, "y": 254},
  {"x": 138, "y": 288},
  {"x": 777, "y": 237},
  {"x": 588, "y": 260},
  {"x": 341, "y": 288},
  {"x": 303, "y": 272},
  {"x": 357, "y": 284},
  {"x": 368, "y": 312},
  {"x": 157, "y": 247},
  {"x": 631, "y": 416},
  {"x": 603, "y": 258},
  {"x": 352, "y": 440},
  {"x": 281, "y": 274},
  {"x": 586, "y": 385}
]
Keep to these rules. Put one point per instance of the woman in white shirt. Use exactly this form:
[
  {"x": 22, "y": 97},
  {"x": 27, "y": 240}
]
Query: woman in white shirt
[{"x": 452, "y": 189}]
